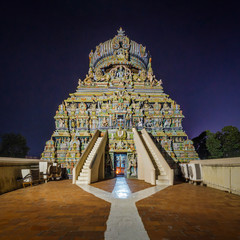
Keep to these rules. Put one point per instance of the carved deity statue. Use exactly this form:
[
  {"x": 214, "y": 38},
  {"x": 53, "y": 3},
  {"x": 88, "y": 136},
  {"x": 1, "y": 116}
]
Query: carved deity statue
[
  {"x": 120, "y": 72},
  {"x": 80, "y": 82},
  {"x": 132, "y": 166},
  {"x": 150, "y": 77},
  {"x": 165, "y": 108},
  {"x": 82, "y": 106},
  {"x": 142, "y": 76},
  {"x": 99, "y": 75},
  {"x": 61, "y": 123},
  {"x": 72, "y": 107},
  {"x": 167, "y": 123},
  {"x": 104, "y": 122},
  {"x": 121, "y": 54},
  {"x": 89, "y": 76},
  {"x": 73, "y": 125},
  {"x": 156, "y": 106},
  {"x": 146, "y": 105}
]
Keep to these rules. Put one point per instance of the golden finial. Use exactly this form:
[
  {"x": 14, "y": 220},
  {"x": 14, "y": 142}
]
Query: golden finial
[{"x": 121, "y": 32}]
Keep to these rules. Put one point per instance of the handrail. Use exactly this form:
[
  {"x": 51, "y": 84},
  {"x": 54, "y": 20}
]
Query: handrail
[
  {"x": 103, "y": 141},
  {"x": 96, "y": 167},
  {"x": 164, "y": 163},
  {"x": 146, "y": 169},
  {"x": 79, "y": 165}
]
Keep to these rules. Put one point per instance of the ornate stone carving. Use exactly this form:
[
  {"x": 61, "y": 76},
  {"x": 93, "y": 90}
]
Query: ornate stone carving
[{"x": 119, "y": 92}]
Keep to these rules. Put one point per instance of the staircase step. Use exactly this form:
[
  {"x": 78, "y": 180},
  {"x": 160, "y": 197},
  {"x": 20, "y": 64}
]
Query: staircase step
[
  {"x": 84, "y": 178},
  {"x": 83, "y": 174},
  {"x": 162, "y": 182},
  {"x": 162, "y": 177},
  {"x": 81, "y": 182}
]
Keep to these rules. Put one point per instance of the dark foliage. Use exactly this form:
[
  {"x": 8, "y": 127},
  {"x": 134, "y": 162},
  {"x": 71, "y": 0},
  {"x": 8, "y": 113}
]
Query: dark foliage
[
  {"x": 224, "y": 143},
  {"x": 13, "y": 145},
  {"x": 200, "y": 145}
]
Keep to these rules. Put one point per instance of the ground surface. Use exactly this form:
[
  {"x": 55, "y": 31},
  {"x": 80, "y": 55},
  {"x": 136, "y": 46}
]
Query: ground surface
[
  {"x": 106, "y": 185},
  {"x": 185, "y": 211},
  {"x": 61, "y": 210},
  {"x": 134, "y": 185},
  {"x": 137, "y": 185},
  {"x": 56, "y": 210}
]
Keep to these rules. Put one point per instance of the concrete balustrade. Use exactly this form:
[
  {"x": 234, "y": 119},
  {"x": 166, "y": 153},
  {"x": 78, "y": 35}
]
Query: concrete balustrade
[
  {"x": 159, "y": 158},
  {"x": 97, "y": 165},
  {"x": 79, "y": 165},
  {"x": 91, "y": 166},
  {"x": 146, "y": 170}
]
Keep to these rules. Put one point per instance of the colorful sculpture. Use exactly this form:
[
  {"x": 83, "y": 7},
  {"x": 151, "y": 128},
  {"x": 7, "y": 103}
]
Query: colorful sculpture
[{"x": 119, "y": 92}]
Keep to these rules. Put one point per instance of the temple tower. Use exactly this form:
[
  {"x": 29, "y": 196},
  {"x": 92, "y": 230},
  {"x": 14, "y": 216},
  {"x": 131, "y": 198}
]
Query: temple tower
[{"x": 119, "y": 93}]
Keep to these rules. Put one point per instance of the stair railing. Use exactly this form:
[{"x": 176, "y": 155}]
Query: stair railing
[
  {"x": 163, "y": 162},
  {"x": 146, "y": 170},
  {"x": 79, "y": 165},
  {"x": 97, "y": 166}
]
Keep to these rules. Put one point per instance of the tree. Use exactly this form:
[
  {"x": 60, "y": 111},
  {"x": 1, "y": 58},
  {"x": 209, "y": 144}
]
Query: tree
[
  {"x": 224, "y": 143},
  {"x": 214, "y": 145},
  {"x": 200, "y": 145},
  {"x": 13, "y": 145},
  {"x": 230, "y": 140}
]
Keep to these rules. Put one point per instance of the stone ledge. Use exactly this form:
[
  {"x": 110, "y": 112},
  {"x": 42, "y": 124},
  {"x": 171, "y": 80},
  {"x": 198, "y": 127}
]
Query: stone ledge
[{"x": 7, "y": 161}]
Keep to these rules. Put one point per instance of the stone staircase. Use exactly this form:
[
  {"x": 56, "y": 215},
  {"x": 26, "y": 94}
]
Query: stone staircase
[
  {"x": 162, "y": 178},
  {"x": 83, "y": 177}
]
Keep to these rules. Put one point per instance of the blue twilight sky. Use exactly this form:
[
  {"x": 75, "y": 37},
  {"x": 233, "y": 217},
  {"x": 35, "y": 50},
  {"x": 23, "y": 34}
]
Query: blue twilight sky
[{"x": 44, "y": 49}]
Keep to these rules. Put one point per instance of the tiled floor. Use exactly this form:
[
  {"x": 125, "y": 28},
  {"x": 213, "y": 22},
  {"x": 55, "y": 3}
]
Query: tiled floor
[
  {"x": 106, "y": 185},
  {"x": 56, "y": 210},
  {"x": 136, "y": 185},
  {"x": 185, "y": 211},
  {"x": 61, "y": 210}
]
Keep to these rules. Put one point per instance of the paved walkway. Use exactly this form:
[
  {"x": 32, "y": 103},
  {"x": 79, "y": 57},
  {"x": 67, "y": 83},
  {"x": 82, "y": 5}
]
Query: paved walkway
[{"x": 124, "y": 221}]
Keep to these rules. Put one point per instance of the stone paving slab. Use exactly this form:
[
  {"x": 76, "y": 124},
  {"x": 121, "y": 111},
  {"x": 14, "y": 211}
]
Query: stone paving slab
[
  {"x": 106, "y": 185},
  {"x": 185, "y": 211},
  {"x": 136, "y": 185},
  {"x": 56, "y": 210}
]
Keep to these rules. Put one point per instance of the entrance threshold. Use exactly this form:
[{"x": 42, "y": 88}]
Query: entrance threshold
[{"x": 121, "y": 189}]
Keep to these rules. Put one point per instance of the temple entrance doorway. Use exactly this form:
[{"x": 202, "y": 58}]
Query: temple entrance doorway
[{"x": 120, "y": 163}]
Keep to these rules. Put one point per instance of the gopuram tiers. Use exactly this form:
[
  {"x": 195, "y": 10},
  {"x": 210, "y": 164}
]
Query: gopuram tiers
[{"x": 120, "y": 92}]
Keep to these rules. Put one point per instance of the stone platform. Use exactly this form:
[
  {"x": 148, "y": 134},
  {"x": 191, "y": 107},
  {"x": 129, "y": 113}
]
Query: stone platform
[{"x": 61, "y": 210}]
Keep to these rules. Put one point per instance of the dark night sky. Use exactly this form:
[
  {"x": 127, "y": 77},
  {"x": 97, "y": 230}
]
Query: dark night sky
[{"x": 44, "y": 45}]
